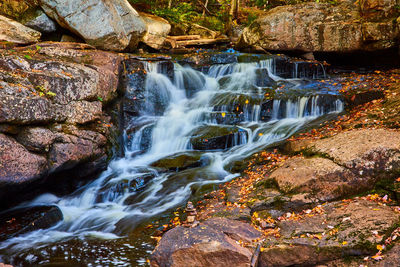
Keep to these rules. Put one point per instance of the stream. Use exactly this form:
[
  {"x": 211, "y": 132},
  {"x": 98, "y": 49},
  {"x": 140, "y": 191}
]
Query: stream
[{"x": 194, "y": 131}]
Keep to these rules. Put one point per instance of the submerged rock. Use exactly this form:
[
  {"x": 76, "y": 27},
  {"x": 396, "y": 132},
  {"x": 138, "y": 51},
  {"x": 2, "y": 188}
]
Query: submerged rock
[
  {"x": 214, "y": 242},
  {"x": 19, "y": 221},
  {"x": 107, "y": 25},
  {"x": 15, "y": 32}
]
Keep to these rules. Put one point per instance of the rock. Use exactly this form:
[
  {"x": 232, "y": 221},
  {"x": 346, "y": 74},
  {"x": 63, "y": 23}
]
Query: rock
[
  {"x": 319, "y": 177},
  {"x": 179, "y": 161},
  {"x": 70, "y": 39},
  {"x": 18, "y": 221},
  {"x": 75, "y": 150},
  {"x": 40, "y": 22},
  {"x": 378, "y": 9},
  {"x": 17, "y": 164},
  {"x": 113, "y": 25},
  {"x": 311, "y": 27},
  {"x": 36, "y": 139},
  {"x": 15, "y": 32},
  {"x": 212, "y": 243},
  {"x": 367, "y": 152},
  {"x": 57, "y": 86},
  {"x": 391, "y": 258},
  {"x": 157, "y": 30},
  {"x": 313, "y": 240},
  {"x": 217, "y": 137}
]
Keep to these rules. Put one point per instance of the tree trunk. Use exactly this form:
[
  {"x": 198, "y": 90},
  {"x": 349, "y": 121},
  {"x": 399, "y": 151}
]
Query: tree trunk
[
  {"x": 205, "y": 8},
  {"x": 169, "y": 3}
]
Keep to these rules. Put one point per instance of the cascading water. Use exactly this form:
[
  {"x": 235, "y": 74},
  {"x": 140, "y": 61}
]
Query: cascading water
[{"x": 227, "y": 112}]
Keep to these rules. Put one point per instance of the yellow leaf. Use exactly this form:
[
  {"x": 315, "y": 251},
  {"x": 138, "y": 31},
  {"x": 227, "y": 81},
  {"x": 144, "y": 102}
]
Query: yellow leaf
[
  {"x": 223, "y": 114},
  {"x": 380, "y": 247},
  {"x": 262, "y": 249},
  {"x": 344, "y": 243},
  {"x": 247, "y": 101},
  {"x": 255, "y": 214}
]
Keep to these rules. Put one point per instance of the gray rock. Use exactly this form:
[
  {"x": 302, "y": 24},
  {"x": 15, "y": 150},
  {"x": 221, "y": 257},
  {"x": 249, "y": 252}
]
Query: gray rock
[
  {"x": 41, "y": 22},
  {"x": 109, "y": 25}
]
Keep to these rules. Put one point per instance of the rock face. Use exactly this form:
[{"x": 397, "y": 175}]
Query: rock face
[
  {"x": 157, "y": 30},
  {"x": 345, "y": 164},
  {"x": 324, "y": 27},
  {"x": 341, "y": 229},
  {"x": 50, "y": 107},
  {"x": 108, "y": 25},
  {"x": 14, "y": 32},
  {"x": 212, "y": 243}
]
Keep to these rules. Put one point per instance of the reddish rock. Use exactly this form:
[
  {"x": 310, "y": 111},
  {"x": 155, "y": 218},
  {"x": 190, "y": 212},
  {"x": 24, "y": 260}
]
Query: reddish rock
[
  {"x": 213, "y": 243},
  {"x": 320, "y": 178},
  {"x": 324, "y": 27},
  {"x": 17, "y": 164}
]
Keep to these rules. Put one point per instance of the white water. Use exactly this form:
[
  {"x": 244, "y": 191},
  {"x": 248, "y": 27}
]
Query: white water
[{"x": 104, "y": 209}]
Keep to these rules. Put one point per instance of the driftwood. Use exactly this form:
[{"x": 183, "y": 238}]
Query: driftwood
[
  {"x": 203, "y": 42},
  {"x": 192, "y": 40},
  {"x": 185, "y": 37}
]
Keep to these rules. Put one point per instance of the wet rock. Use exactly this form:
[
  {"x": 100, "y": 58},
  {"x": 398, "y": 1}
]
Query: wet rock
[
  {"x": 115, "y": 26},
  {"x": 314, "y": 240},
  {"x": 217, "y": 137},
  {"x": 357, "y": 98},
  {"x": 212, "y": 243},
  {"x": 15, "y": 32},
  {"x": 18, "y": 221},
  {"x": 39, "y": 21},
  {"x": 73, "y": 150},
  {"x": 179, "y": 161},
  {"x": 17, "y": 164},
  {"x": 311, "y": 27},
  {"x": 157, "y": 30}
]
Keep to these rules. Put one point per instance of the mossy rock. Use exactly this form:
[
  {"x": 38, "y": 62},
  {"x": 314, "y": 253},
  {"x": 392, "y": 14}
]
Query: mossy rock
[
  {"x": 180, "y": 161},
  {"x": 211, "y": 137}
]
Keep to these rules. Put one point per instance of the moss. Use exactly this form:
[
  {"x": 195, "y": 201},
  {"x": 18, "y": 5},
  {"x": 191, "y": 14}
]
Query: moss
[{"x": 268, "y": 184}]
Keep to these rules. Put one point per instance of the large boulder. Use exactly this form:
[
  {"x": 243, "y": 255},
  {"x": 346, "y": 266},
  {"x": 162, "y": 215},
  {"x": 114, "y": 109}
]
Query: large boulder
[
  {"x": 15, "y": 32},
  {"x": 313, "y": 27},
  {"x": 157, "y": 30},
  {"x": 216, "y": 242},
  {"x": 109, "y": 25}
]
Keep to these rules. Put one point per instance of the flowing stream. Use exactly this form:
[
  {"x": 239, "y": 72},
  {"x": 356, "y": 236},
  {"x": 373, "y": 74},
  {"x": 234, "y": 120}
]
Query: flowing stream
[{"x": 191, "y": 132}]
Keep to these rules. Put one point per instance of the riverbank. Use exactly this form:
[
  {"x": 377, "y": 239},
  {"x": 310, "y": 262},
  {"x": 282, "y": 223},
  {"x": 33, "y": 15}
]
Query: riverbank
[{"x": 328, "y": 196}]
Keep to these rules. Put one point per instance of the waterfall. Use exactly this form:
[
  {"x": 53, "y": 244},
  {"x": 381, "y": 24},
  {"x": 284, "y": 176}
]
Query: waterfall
[{"x": 223, "y": 112}]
